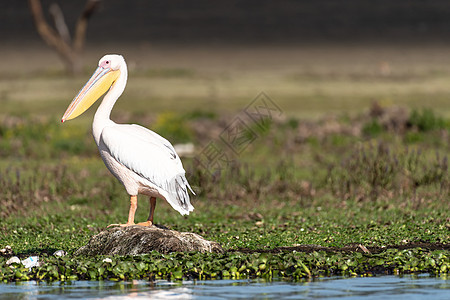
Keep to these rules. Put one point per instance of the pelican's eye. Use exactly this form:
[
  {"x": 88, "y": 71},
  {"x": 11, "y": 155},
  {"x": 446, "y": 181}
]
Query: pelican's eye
[{"x": 105, "y": 64}]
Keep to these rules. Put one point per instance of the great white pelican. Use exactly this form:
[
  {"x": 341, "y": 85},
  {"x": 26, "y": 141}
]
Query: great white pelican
[{"x": 143, "y": 161}]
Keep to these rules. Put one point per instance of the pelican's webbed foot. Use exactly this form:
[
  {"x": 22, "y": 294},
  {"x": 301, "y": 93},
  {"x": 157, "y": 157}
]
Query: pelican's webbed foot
[
  {"x": 121, "y": 225},
  {"x": 146, "y": 223}
]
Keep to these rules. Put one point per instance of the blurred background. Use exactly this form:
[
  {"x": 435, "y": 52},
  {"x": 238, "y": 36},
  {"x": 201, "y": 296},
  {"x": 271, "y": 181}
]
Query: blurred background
[
  {"x": 248, "y": 21},
  {"x": 311, "y": 57},
  {"x": 346, "y": 75}
]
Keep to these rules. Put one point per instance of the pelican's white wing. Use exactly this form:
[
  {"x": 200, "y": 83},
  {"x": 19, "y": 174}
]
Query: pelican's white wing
[{"x": 152, "y": 157}]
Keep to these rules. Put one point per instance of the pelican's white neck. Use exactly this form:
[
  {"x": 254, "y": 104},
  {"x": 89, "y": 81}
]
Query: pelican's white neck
[{"x": 102, "y": 116}]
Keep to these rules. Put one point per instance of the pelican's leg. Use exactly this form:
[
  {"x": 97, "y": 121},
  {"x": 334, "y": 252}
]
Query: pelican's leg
[
  {"x": 149, "y": 221},
  {"x": 133, "y": 207}
]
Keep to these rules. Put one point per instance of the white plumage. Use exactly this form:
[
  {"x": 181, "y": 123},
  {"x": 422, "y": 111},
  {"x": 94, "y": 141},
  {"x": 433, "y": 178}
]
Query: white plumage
[
  {"x": 143, "y": 161},
  {"x": 152, "y": 158}
]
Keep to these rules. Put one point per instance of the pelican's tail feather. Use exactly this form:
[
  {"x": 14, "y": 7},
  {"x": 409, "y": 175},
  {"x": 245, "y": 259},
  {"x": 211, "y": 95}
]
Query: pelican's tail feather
[{"x": 176, "y": 193}]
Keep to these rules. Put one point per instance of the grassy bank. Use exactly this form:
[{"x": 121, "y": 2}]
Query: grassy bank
[
  {"x": 348, "y": 176},
  {"x": 297, "y": 187}
]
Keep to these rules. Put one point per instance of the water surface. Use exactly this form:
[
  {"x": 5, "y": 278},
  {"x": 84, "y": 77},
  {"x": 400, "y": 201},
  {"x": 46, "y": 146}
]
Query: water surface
[{"x": 380, "y": 287}]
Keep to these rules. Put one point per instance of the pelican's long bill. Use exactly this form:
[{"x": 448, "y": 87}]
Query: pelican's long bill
[{"x": 98, "y": 84}]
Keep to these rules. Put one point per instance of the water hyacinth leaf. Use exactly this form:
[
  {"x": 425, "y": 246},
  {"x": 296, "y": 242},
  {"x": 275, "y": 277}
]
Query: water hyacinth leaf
[{"x": 141, "y": 266}]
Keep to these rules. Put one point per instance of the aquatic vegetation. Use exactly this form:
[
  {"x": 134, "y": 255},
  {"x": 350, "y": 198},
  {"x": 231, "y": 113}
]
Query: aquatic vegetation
[{"x": 231, "y": 265}]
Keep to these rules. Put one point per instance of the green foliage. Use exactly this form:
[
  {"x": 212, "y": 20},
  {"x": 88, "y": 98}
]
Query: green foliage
[
  {"x": 232, "y": 265},
  {"x": 292, "y": 123},
  {"x": 173, "y": 127},
  {"x": 426, "y": 120},
  {"x": 414, "y": 137},
  {"x": 201, "y": 114},
  {"x": 44, "y": 139},
  {"x": 372, "y": 128},
  {"x": 376, "y": 171},
  {"x": 280, "y": 192}
]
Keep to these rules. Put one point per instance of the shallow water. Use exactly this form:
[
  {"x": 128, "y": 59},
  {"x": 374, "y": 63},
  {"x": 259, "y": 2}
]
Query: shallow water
[{"x": 386, "y": 287}]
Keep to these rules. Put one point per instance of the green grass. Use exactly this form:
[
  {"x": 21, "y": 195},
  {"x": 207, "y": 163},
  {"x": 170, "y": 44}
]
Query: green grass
[
  {"x": 330, "y": 189},
  {"x": 330, "y": 172}
]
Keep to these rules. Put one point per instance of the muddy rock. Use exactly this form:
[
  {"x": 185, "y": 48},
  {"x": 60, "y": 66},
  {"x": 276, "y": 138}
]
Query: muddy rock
[{"x": 135, "y": 240}]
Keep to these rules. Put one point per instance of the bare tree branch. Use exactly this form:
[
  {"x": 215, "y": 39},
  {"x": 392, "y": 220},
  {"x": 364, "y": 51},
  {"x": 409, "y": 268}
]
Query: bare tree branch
[
  {"x": 59, "y": 39},
  {"x": 60, "y": 23},
  {"x": 80, "y": 29},
  {"x": 49, "y": 35}
]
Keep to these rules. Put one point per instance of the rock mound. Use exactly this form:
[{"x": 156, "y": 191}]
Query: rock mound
[{"x": 135, "y": 240}]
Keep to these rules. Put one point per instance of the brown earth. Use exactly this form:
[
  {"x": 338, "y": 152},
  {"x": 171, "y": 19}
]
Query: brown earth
[{"x": 347, "y": 249}]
